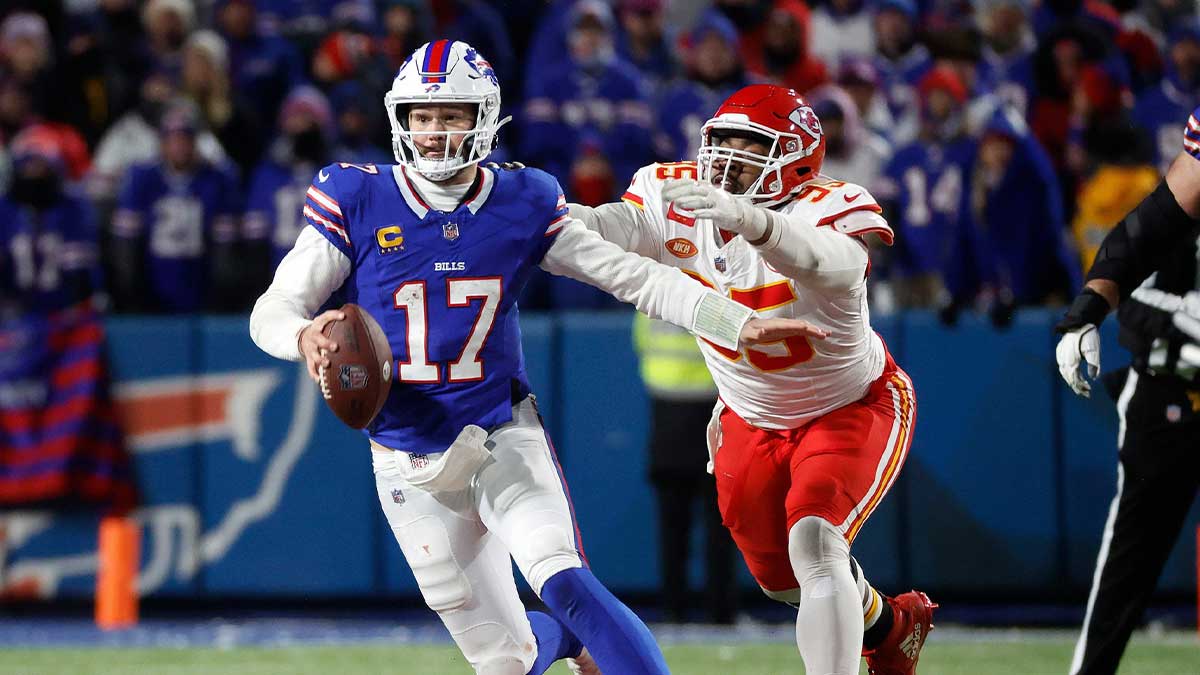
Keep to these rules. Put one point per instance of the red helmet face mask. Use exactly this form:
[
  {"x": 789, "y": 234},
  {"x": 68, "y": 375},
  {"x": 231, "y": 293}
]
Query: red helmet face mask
[{"x": 781, "y": 120}]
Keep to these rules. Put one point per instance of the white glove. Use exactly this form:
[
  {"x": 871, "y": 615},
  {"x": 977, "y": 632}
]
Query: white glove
[
  {"x": 705, "y": 200},
  {"x": 1075, "y": 347}
]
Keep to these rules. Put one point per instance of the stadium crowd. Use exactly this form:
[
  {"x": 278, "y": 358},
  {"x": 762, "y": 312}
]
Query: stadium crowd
[{"x": 159, "y": 151}]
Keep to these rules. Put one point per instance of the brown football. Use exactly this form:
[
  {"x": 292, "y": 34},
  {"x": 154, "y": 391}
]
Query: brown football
[{"x": 359, "y": 375}]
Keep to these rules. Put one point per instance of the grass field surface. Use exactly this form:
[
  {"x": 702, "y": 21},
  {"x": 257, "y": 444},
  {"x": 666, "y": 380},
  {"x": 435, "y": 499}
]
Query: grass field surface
[{"x": 955, "y": 652}]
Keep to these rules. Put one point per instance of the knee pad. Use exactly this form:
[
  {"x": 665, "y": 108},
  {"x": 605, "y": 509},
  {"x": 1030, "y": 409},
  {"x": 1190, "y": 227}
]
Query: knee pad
[
  {"x": 492, "y": 650},
  {"x": 544, "y": 552},
  {"x": 426, "y": 547},
  {"x": 816, "y": 548}
]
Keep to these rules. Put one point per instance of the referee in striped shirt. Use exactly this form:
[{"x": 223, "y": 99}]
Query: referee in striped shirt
[{"x": 1148, "y": 269}]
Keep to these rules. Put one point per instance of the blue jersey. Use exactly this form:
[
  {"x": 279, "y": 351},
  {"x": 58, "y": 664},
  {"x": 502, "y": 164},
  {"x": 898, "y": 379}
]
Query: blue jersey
[
  {"x": 443, "y": 286},
  {"x": 1008, "y": 78},
  {"x": 1158, "y": 112},
  {"x": 47, "y": 257},
  {"x": 924, "y": 183},
  {"x": 569, "y": 106},
  {"x": 273, "y": 206},
  {"x": 1017, "y": 236},
  {"x": 181, "y": 217},
  {"x": 898, "y": 79},
  {"x": 682, "y": 111}
]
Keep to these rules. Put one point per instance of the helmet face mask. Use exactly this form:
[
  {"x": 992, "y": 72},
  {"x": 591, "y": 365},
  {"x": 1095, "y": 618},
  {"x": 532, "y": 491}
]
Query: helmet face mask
[
  {"x": 444, "y": 73},
  {"x": 781, "y": 145},
  {"x": 738, "y": 162}
]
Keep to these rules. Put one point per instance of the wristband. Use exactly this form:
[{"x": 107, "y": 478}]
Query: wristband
[{"x": 1088, "y": 307}]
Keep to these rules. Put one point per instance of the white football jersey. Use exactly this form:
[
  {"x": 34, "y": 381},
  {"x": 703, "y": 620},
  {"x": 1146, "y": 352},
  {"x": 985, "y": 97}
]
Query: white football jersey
[{"x": 786, "y": 384}]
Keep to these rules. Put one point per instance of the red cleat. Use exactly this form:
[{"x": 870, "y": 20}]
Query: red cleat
[{"x": 899, "y": 651}]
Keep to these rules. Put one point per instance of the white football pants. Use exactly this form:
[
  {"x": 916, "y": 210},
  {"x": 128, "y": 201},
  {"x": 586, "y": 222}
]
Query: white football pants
[{"x": 458, "y": 543}]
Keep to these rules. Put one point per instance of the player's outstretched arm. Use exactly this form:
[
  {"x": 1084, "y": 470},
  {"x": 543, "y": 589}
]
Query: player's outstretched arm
[
  {"x": 304, "y": 280},
  {"x": 663, "y": 292},
  {"x": 821, "y": 257},
  {"x": 622, "y": 223}
]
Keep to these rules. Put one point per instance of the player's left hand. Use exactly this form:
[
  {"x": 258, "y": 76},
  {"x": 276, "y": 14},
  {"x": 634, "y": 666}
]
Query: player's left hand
[
  {"x": 761, "y": 331},
  {"x": 707, "y": 201}
]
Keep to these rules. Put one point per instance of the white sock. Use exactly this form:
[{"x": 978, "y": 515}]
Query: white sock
[{"x": 829, "y": 622}]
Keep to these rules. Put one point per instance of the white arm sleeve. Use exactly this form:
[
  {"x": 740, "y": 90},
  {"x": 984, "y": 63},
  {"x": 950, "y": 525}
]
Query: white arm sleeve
[
  {"x": 822, "y": 257},
  {"x": 304, "y": 280},
  {"x": 656, "y": 290},
  {"x": 622, "y": 223}
]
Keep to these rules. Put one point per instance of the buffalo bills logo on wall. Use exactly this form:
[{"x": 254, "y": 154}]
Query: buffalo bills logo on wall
[
  {"x": 806, "y": 119},
  {"x": 352, "y": 377}
]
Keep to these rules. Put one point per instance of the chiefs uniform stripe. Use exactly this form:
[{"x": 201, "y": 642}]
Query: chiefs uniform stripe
[
  {"x": 769, "y": 296},
  {"x": 905, "y": 406},
  {"x": 829, "y": 220},
  {"x": 633, "y": 199}
]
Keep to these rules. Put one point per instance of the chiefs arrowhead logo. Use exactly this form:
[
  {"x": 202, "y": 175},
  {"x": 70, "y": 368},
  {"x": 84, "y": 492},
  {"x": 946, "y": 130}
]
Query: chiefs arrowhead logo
[
  {"x": 806, "y": 119},
  {"x": 681, "y": 248}
]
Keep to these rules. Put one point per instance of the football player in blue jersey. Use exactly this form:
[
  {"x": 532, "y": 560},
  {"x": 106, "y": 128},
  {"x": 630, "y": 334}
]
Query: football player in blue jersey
[{"x": 437, "y": 248}]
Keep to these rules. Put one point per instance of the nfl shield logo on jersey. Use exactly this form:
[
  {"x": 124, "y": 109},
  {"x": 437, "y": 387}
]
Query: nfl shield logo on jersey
[
  {"x": 398, "y": 496},
  {"x": 450, "y": 231},
  {"x": 719, "y": 263}
]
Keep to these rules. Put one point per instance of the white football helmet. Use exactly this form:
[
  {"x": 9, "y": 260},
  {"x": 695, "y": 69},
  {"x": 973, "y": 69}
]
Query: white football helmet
[{"x": 445, "y": 71}]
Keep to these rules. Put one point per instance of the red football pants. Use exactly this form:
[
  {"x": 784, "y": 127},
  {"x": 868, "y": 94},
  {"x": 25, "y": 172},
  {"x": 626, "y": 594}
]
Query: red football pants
[{"x": 837, "y": 467}]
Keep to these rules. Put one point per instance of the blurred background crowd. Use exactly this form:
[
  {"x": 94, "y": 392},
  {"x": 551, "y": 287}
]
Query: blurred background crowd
[{"x": 158, "y": 152}]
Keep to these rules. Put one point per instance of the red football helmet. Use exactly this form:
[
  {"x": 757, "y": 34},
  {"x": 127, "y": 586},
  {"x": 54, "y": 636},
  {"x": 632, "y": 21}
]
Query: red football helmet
[{"x": 785, "y": 122}]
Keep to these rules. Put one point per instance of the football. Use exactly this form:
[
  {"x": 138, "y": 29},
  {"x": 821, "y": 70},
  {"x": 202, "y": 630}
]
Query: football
[{"x": 359, "y": 375}]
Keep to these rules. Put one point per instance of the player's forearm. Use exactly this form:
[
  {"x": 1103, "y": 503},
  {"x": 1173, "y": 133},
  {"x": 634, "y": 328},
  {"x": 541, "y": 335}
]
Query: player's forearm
[
  {"x": 618, "y": 222},
  {"x": 305, "y": 279},
  {"x": 654, "y": 289},
  {"x": 816, "y": 256}
]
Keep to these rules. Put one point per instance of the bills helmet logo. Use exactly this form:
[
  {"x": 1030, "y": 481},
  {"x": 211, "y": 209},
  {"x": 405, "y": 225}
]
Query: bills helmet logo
[
  {"x": 352, "y": 377},
  {"x": 806, "y": 119},
  {"x": 481, "y": 66}
]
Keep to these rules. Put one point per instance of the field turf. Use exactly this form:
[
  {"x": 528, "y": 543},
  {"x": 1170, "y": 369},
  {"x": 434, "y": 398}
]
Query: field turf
[{"x": 960, "y": 652}]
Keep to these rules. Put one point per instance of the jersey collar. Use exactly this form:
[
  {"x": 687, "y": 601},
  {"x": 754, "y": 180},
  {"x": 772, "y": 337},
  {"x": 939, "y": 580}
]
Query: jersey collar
[
  {"x": 409, "y": 192},
  {"x": 485, "y": 180}
]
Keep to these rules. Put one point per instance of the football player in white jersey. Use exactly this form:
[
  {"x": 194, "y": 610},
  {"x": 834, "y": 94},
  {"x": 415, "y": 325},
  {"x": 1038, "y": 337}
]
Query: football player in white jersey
[{"x": 808, "y": 435}]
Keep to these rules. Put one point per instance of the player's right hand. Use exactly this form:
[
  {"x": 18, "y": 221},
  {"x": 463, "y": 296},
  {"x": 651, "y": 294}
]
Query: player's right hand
[
  {"x": 314, "y": 345},
  {"x": 761, "y": 331},
  {"x": 1076, "y": 347}
]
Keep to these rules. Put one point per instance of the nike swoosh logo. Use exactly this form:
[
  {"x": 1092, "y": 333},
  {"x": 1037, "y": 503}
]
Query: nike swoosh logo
[
  {"x": 849, "y": 198},
  {"x": 324, "y": 176}
]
